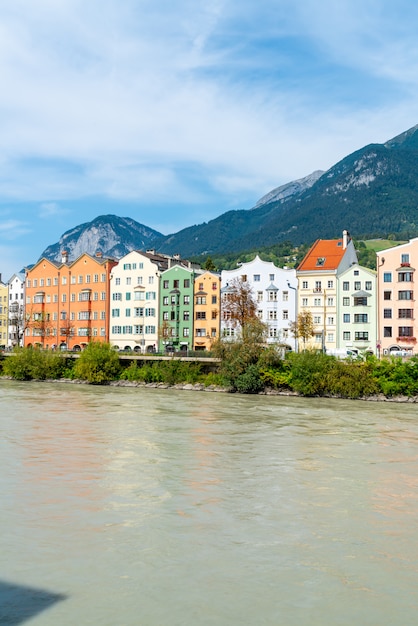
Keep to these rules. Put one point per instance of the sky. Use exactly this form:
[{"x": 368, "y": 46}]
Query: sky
[{"x": 173, "y": 112}]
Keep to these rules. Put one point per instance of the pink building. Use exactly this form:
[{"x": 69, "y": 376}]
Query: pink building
[{"x": 397, "y": 306}]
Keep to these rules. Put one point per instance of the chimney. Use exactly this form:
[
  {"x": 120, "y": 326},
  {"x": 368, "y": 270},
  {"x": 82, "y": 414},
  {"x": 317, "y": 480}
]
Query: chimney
[
  {"x": 64, "y": 256},
  {"x": 345, "y": 239},
  {"x": 99, "y": 254}
]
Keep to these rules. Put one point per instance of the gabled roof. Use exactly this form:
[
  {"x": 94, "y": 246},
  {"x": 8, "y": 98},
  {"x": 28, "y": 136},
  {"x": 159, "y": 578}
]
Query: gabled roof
[{"x": 325, "y": 254}]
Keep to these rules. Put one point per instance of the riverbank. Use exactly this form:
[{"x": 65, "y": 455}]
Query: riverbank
[{"x": 268, "y": 391}]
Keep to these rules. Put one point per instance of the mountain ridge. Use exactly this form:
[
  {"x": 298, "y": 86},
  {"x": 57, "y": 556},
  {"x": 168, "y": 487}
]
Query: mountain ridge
[{"x": 371, "y": 192}]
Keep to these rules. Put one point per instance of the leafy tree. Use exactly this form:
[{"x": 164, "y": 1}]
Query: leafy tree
[
  {"x": 238, "y": 302},
  {"x": 303, "y": 327},
  {"x": 98, "y": 363}
]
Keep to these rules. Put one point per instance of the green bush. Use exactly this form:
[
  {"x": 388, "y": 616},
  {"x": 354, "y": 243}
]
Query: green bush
[
  {"x": 30, "y": 363},
  {"x": 249, "y": 381},
  {"x": 98, "y": 363}
]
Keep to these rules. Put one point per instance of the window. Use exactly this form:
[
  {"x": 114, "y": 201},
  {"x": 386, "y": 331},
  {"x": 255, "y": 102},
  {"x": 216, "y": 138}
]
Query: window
[
  {"x": 138, "y": 329},
  {"x": 127, "y": 266},
  {"x": 256, "y": 278},
  {"x": 116, "y": 296},
  {"x": 186, "y": 283},
  {"x": 176, "y": 284},
  {"x": 83, "y": 315},
  {"x": 139, "y": 280},
  {"x": 346, "y": 335},
  {"x": 272, "y": 331},
  {"x": 214, "y": 299},
  {"x": 387, "y": 314},
  {"x": 304, "y": 284},
  {"x": 317, "y": 319},
  {"x": 186, "y": 300},
  {"x": 404, "y": 258},
  {"x": 64, "y": 297},
  {"x": 272, "y": 315},
  {"x": 116, "y": 330},
  {"x": 150, "y": 280},
  {"x": 186, "y": 316},
  {"x": 361, "y": 318},
  {"x": 330, "y": 337},
  {"x": 320, "y": 261},
  {"x": 318, "y": 285},
  {"x": 387, "y": 277},
  {"x": 357, "y": 285},
  {"x": 186, "y": 332},
  {"x": 387, "y": 331},
  {"x": 356, "y": 272},
  {"x": 103, "y": 278},
  {"x": 128, "y": 280},
  {"x": 63, "y": 281},
  {"x": 150, "y": 295},
  {"x": 318, "y": 337},
  {"x": 271, "y": 277},
  {"x": 200, "y": 332},
  {"x": 330, "y": 301},
  {"x": 405, "y": 331},
  {"x": 368, "y": 285},
  {"x": 201, "y": 315},
  {"x": 165, "y": 284},
  {"x": 285, "y": 315},
  {"x": 405, "y": 313},
  {"x": 346, "y": 286},
  {"x": 149, "y": 330},
  {"x": 127, "y": 312},
  {"x": 304, "y": 301},
  {"x": 285, "y": 296},
  {"x": 361, "y": 335},
  {"x": 330, "y": 321},
  {"x": 317, "y": 301},
  {"x": 405, "y": 277},
  {"x": 127, "y": 295},
  {"x": 387, "y": 295},
  {"x": 330, "y": 284},
  {"x": 200, "y": 300},
  {"x": 272, "y": 296},
  {"x": 88, "y": 278},
  {"x": 260, "y": 314},
  {"x": 346, "y": 318},
  {"x": 165, "y": 301},
  {"x": 115, "y": 312},
  {"x": 360, "y": 301},
  {"x": 405, "y": 295},
  {"x": 96, "y": 278},
  {"x": 165, "y": 316}
]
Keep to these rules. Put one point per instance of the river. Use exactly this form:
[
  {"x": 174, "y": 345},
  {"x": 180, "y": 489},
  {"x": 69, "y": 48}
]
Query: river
[{"x": 149, "y": 507}]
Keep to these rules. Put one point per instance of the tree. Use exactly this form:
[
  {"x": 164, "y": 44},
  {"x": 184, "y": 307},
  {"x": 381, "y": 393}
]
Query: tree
[
  {"x": 238, "y": 304},
  {"x": 98, "y": 363},
  {"x": 303, "y": 327},
  {"x": 209, "y": 265},
  {"x": 41, "y": 323},
  {"x": 17, "y": 323}
]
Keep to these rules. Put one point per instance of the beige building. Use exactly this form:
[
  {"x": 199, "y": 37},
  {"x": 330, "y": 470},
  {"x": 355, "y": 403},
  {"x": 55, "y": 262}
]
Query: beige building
[{"x": 317, "y": 278}]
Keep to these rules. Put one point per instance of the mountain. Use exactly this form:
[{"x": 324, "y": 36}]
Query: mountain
[
  {"x": 290, "y": 190},
  {"x": 372, "y": 192},
  {"x": 113, "y": 236}
]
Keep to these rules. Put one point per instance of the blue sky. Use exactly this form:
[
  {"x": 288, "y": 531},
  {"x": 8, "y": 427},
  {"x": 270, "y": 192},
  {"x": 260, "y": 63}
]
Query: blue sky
[{"x": 173, "y": 112}]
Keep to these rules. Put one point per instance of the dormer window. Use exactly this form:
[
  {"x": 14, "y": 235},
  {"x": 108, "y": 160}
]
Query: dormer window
[{"x": 320, "y": 261}]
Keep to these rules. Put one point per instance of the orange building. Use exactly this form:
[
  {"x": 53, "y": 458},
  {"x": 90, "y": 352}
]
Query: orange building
[
  {"x": 207, "y": 302},
  {"x": 67, "y": 304}
]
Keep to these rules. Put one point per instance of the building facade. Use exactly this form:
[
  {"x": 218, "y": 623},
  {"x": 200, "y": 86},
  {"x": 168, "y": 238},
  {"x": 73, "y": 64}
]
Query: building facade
[
  {"x": 135, "y": 297},
  {"x": 16, "y": 326},
  {"x": 357, "y": 311},
  {"x": 317, "y": 277},
  {"x": 67, "y": 304},
  {"x": 207, "y": 302},
  {"x": 177, "y": 308},
  {"x": 4, "y": 312},
  {"x": 274, "y": 291},
  {"x": 397, "y": 307}
]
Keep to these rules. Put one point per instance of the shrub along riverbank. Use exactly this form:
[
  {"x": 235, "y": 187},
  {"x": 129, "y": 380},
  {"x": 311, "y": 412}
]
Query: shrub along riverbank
[{"x": 243, "y": 369}]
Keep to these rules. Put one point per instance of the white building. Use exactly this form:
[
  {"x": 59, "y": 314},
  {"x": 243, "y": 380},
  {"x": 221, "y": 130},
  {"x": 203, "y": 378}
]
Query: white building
[
  {"x": 16, "y": 313},
  {"x": 274, "y": 291},
  {"x": 357, "y": 310},
  {"x": 134, "y": 301}
]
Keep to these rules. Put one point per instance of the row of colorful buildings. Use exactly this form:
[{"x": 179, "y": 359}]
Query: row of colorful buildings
[{"x": 150, "y": 302}]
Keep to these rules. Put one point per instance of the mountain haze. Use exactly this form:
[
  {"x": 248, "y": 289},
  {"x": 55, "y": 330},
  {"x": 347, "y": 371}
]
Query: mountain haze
[{"x": 371, "y": 192}]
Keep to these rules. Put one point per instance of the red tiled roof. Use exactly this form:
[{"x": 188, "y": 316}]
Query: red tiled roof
[{"x": 325, "y": 254}]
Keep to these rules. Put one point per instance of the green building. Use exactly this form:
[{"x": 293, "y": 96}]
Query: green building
[{"x": 176, "y": 309}]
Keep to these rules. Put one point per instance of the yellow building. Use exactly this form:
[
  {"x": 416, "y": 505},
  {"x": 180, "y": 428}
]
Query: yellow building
[
  {"x": 206, "y": 323},
  {"x": 317, "y": 278}
]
